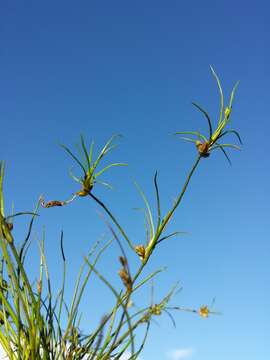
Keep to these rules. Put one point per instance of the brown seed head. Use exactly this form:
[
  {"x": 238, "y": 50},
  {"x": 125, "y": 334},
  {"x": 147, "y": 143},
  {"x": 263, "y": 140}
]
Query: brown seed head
[
  {"x": 204, "y": 311},
  {"x": 53, "y": 203},
  {"x": 125, "y": 278},
  {"x": 156, "y": 309},
  {"x": 123, "y": 261},
  {"x": 10, "y": 226},
  {"x": 203, "y": 148},
  {"x": 140, "y": 250}
]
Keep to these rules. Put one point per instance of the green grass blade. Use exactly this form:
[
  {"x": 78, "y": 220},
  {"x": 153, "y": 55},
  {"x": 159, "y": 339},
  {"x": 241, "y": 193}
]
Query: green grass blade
[
  {"x": 63, "y": 280},
  {"x": 147, "y": 224},
  {"x": 104, "y": 184},
  {"x": 104, "y": 207},
  {"x": 75, "y": 178},
  {"x": 149, "y": 277},
  {"x": 85, "y": 153},
  {"x": 2, "y": 173},
  {"x": 207, "y": 117},
  {"x": 118, "y": 297},
  {"x": 105, "y": 150},
  {"x": 226, "y": 145},
  {"x": 233, "y": 93},
  {"x": 108, "y": 167},
  {"x": 226, "y": 155},
  {"x": 171, "y": 235},
  {"x": 151, "y": 222},
  {"x": 157, "y": 199},
  {"x": 231, "y": 132},
  {"x": 74, "y": 158},
  {"x": 91, "y": 152},
  {"x": 221, "y": 94},
  {"x": 80, "y": 290},
  {"x": 189, "y": 139},
  {"x": 196, "y": 133},
  {"x": 21, "y": 213}
]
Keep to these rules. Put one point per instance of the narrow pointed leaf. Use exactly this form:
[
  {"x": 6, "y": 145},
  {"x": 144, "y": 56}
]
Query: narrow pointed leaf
[
  {"x": 207, "y": 117},
  {"x": 105, "y": 149},
  {"x": 171, "y": 235},
  {"x": 148, "y": 209},
  {"x": 188, "y": 139},
  {"x": 171, "y": 317},
  {"x": 226, "y": 155},
  {"x": 228, "y": 145},
  {"x": 91, "y": 152},
  {"x": 233, "y": 93},
  {"x": 202, "y": 137},
  {"x": 221, "y": 94},
  {"x": 232, "y": 132},
  {"x": 109, "y": 166},
  {"x": 75, "y": 178},
  {"x": 2, "y": 172},
  {"x": 75, "y": 158},
  {"x": 157, "y": 199},
  {"x": 21, "y": 213},
  {"x": 104, "y": 184},
  {"x": 85, "y": 152}
]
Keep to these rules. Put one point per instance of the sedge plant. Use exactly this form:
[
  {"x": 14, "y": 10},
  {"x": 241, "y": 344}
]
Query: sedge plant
[{"x": 36, "y": 323}]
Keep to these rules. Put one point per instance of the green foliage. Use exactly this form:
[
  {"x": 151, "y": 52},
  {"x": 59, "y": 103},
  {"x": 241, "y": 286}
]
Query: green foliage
[{"x": 37, "y": 324}]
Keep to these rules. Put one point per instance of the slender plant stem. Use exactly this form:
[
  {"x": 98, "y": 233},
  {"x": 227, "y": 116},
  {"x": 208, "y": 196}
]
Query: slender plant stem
[
  {"x": 113, "y": 219},
  {"x": 167, "y": 219},
  {"x": 178, "y": 200}
]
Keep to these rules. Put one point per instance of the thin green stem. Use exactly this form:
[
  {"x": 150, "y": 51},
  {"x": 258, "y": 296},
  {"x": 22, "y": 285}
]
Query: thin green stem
[
  {"x": 178, "y": 200},
  {"x": 112, "y": 218},
  {"x": 167, "y": 219}
]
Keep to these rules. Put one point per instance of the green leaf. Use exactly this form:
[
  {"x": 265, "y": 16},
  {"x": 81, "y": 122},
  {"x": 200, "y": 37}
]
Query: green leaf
[
  {"x": 104, "y": 184},
  {"x": 75, "y": 158},
  {"x": 171, "y": 235},
  {"x": 227, "y": 145},
  {"x": 105, "y": 150},
  {"x": 2, "y": 172},
  {"x": 147, "y": 223},
  {"x": 200, "y": 136},
  {"x": 151, "y": 223},
  {"x": 91, "y": 152},
  {"x": 221, "y": 94},
  {"x": 189, "y": 140},
  {"x": 157, "y": 199},
  {"x": 75, "y": 178},
  {"x": 226, "y": 155},
  {"x": 207, "y": 117},
  {"x": 231, "y": 132},
  {"x": 85, "y": 153},
  {"x": 109, "y": 166},
  {"x": 21, "y": 213},
  {"x": 233, "y": 93}
]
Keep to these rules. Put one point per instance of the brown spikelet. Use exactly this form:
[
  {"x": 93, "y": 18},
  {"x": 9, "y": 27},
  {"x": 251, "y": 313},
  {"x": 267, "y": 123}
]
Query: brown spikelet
[
  {"x": 123, "y": 261},
  {"x": 204, "y": 311},
  {"x": 156, "y": 309},
  {"x": 203, "y": 148},
  {"x": 10, "y": 226},
  {"x": 140, "y": 250},
  {"x": 125, "y": 279},
  {"x": 52, "y": 203}
]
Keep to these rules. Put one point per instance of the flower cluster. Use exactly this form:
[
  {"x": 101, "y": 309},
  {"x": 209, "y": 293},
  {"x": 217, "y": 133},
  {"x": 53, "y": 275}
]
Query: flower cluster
[{"x": 205, "y": 144}]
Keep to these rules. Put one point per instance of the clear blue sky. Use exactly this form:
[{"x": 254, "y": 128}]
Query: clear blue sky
[{"x": 133, "y": 67}]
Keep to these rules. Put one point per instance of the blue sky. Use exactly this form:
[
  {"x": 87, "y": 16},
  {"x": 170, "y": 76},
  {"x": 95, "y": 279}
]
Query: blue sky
[{"x": 101, "y": 68}]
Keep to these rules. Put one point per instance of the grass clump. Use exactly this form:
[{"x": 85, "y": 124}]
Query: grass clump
[{"x": 37, "y": 324}]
